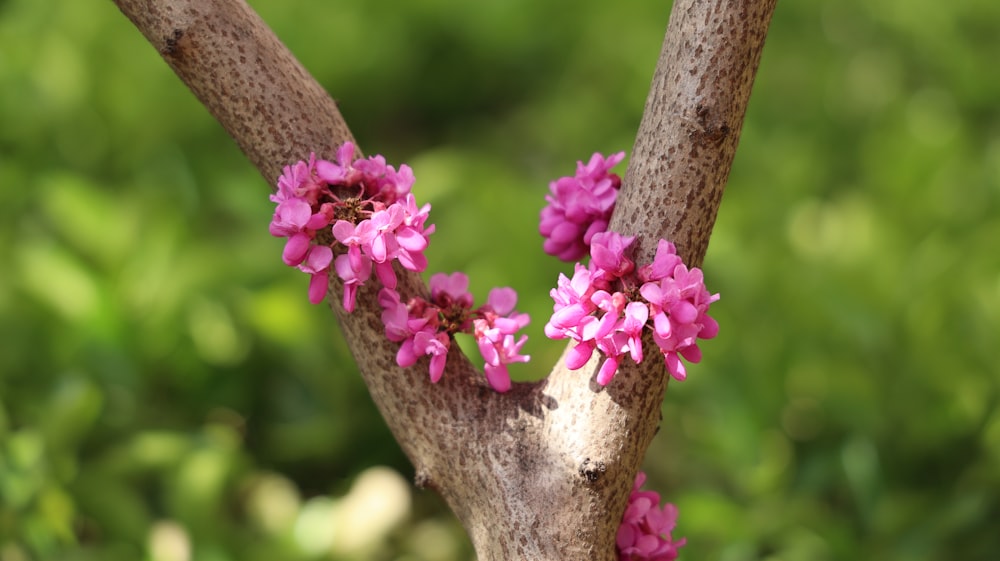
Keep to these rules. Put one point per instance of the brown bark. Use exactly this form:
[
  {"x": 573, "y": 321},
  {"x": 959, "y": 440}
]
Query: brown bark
[
  {"x": 692, "y": 122},
  {"x": 541, "y": 472}
]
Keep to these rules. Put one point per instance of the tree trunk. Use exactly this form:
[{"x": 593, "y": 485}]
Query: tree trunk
[{"x": 542, "y": 472}]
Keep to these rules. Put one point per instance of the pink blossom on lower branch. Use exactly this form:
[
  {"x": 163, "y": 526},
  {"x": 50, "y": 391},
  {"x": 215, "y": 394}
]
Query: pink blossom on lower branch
[
  {"x": 434, "y": 345},
  {"x": 645, "y": 531},
  {"x": 495, "y": 334},
  {"x": 451, "y": 290},
  {"x": 416, "y": 327},
  {"x": 427, "y": 327}
]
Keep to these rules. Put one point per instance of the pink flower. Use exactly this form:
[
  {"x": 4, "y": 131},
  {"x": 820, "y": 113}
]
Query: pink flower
[
  {"x": 408, "y": 354},
  {"x": 419, "y": 336},
  {"x": 597, "y": 169},
  {"x": 381, "y": 244},
  {"x": 616, "y": 333},
  {"x": 436, "y": 345},
  {"x": 499, "y": 309},
  {"x": 607, "y": 252},
  {"x": 395, "y": 315},
  {"x": 577, "y": 300},
  {"x": 378, "y": 180},
  {"x": 664, "y": 263},
  {"x": 384, "y": 237},
  {"x": 579, "y": 207},
  {"x": 612, "y": 305},
  {"x": 636, "y": 314},
  {"x": 317, "y": 265},
  {"x": 373, "y": 170},
  {"x": 580, "y": 353},
  {"x": 599, "y": 308},
  {"x": 299, "y": 181},
  {"x": 389, "y": 224},
  {"x": 572, "y": 303},
  {"x": 417, "y": 327},
  {"x": 385, "y": 183},
  {"x": 290, "y": 217},
  {"x": 678, "y": 302},
  {"x": 645, "y": 531},
  {"x": 453, "y": 289},
  {"x": 498, "y": 351},
  {"x": 353, "y": 277},
  {"x": 626, "y": 338},
  {"x": 294, "y": 219},
  {"x": 494, "y": 333},
  {"x": 342, "y": 172},
  {"x": 426, "y": 327},
  {"x": 379, "y": 241},
  {"x": 412, "y": 235}
]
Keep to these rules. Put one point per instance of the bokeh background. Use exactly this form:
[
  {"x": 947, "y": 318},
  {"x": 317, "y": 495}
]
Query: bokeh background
[{"x": 168, "y": 394}]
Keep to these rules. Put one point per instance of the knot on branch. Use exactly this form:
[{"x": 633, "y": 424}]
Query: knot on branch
[
  {"x": 710, "y": 130},
  {"x": 592, "y": 471},
  {"x": 422, "y": 479},
  {"x": 171, "y": 45}
]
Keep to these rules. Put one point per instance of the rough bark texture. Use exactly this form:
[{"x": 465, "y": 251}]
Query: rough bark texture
[
  {"x": 692, "y": 122},
  {"x": 542, "y": 472},
  {"x": 245, "y": 76}
]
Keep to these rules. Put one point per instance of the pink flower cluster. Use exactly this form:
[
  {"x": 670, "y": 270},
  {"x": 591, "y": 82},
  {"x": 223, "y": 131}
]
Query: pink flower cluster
[
  {"x": 426, "y": 328},
  {"x": 644, "y": 534},
  {"x": 380, "y": 223},
  {"x": 377, "y": 223},
  {"x": 580, "y": 207},
  {"x": 607, "y": 305}
]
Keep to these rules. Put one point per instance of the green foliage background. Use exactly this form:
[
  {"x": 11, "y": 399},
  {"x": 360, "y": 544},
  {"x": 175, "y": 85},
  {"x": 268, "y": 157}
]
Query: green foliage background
[{"x": 167, "y": 392}]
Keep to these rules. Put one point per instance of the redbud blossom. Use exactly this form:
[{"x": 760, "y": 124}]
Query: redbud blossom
[
  {"x": 317, "y": 265},
  {"x": 579, "y": 207},
  {"x": 678, "y": 303},
  {"x": 427, "y": 327},
  {"x": 342, "y": 172},
  {"x": 451, "y": 289},
  {"x": 600, "y": 308},
  {"x": 495, "y": 336},
  {"x": 375, "y": 221},
  {"x": 607, "y": 253},
  {"x": 645, "y": 531},
  {"x": 385, "y": 223},
  {"x": 299, "y": 181}
]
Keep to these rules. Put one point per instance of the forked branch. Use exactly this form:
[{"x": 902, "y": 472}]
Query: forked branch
[{"x": 543, "y": 471}]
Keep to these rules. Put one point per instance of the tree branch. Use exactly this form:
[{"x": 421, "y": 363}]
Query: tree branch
[
  {"x": 542, "y": 472},
  {"x": 247, "y": 79},
  {"x": 691, "y": 125}
]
